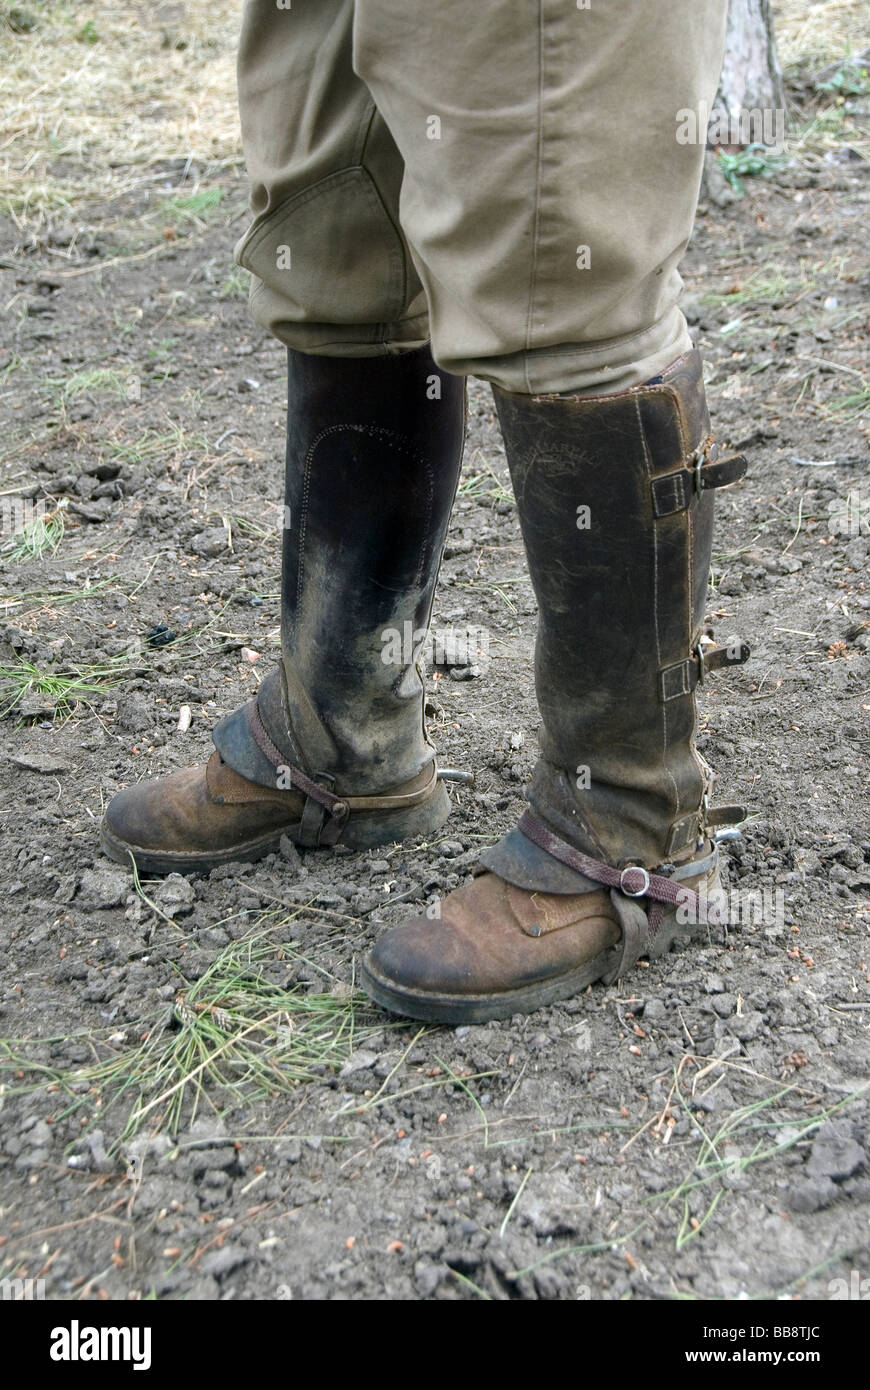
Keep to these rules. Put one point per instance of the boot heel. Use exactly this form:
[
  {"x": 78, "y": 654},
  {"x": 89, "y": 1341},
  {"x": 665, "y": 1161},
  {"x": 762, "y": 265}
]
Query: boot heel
[{"x": 367, "y": 829}]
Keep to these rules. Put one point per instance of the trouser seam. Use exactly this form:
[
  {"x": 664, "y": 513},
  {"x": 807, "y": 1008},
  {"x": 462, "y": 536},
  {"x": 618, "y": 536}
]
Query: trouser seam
[
  {"x": 594, "y": 347},
  {"x": 361, "y": 142},
  {"x": 536, "y": 218},
  {"x": 394, "y": 223}
]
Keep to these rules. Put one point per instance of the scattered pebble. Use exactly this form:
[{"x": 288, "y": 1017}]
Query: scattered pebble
[
  {"x": 174, "y": 894},
  {"x": 210, "y": 543}
]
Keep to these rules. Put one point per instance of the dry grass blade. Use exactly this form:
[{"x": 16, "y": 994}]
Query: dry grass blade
[{"x": 820, "y": 32}]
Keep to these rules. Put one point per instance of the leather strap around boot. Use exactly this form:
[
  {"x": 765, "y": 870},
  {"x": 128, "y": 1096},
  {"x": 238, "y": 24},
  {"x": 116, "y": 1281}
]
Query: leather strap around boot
[
  {"x": 324, "y": 814},
  {"x": 682, "y": 677},
  {"x": 633, "y": 882},
  {"x": 674, "y": 492}
]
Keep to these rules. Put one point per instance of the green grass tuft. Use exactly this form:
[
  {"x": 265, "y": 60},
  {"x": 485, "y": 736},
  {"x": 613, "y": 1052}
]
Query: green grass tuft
[
  {"x": 195, "y": 207},
  {"x": 31, "y": 542},
  {"x": 63, "y": 690},
  {"x": 237, "y": 1034}
]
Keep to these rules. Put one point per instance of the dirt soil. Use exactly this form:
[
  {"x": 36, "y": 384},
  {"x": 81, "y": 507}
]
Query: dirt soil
[{"x": 197, "y": 1101}]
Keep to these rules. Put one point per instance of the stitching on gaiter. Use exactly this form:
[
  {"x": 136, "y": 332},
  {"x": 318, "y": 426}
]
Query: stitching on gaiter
[
  {"x": 664, "y": 707},
  {"x": 690, "y": 595}
]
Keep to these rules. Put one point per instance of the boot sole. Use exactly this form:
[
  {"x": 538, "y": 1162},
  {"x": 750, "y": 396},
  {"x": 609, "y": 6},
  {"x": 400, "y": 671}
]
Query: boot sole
[
  {"x": 459, "y": 1009},
  {"x": 364, "y": 830}
]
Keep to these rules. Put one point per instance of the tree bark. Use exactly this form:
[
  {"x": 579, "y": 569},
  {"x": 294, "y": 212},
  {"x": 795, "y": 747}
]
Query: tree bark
[
  {"x": 751, "y": 77},
  {"x": 750, "y": 86}
]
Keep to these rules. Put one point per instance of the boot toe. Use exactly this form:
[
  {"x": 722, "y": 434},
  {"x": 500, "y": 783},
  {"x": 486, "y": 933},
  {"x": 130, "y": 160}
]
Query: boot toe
[
  {"x": 495, "y": 950},
  {"x": 146, "y": 816},
  {"x": 422, "y": 955}
]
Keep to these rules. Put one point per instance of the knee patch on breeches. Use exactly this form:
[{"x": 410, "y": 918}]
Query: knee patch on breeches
[{"x": 329, "y": 254}]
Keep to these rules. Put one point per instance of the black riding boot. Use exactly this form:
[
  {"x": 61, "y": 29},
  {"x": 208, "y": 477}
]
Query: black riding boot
[{"x": 334, "y": 747}]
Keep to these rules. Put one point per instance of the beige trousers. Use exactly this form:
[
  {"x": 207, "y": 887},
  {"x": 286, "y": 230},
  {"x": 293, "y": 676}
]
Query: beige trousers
[{"x": 501, "y": 176}]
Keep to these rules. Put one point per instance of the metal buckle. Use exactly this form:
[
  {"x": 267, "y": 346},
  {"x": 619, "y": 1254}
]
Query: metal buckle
[
  {"x": 705, "y": 644},
  {"x": 697, "y": 460},
  {"x": 634, "y": 869}
]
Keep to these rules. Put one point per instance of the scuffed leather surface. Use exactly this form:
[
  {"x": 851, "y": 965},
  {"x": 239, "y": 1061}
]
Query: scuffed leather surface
[
  {"x": 202, "y": 809},
  {"x": 617, "y": 602},
  {"x": 493, "y": 937},
  {"x": 371, "y": 471},
  {"x": 482, "y": 943},
  {"x": 520, "y": 861}
]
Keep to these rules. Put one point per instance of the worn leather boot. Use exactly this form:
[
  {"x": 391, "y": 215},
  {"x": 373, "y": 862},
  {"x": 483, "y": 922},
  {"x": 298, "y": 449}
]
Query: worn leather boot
[
  {"x": 616, "y": 855},
  {"x": 334, "y": 746}
]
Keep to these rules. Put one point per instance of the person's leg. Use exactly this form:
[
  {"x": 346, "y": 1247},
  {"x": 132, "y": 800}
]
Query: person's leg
[
  {"x": 566, "y": 139},
  {"x": 330, "y": 265},
  {"x": 546, "y": 198},
  {"x": 334, "y": 747}
]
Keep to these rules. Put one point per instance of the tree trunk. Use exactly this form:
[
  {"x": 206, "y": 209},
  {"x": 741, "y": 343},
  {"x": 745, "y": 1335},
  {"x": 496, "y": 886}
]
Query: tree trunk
[
  {"x": 751, "y": 79},
  {"x": 750, "y": 101}
]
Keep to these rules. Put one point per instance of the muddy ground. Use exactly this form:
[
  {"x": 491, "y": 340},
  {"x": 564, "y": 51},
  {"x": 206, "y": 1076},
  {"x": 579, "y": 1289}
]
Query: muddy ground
[{"x": 701, "y": 1130}]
